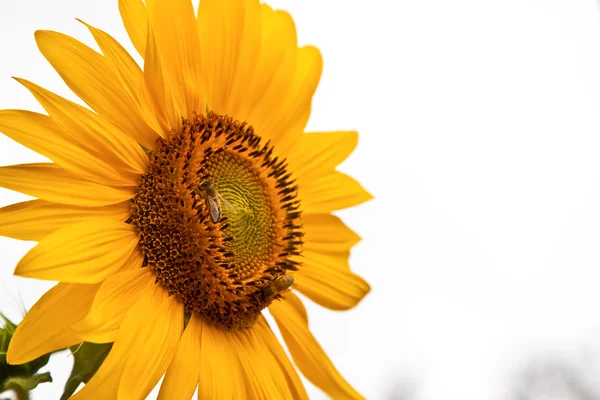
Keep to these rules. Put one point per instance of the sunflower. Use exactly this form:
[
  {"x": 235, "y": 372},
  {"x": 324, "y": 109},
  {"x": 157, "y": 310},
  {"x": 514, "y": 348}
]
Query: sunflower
[{"x": 186, "y": 202}]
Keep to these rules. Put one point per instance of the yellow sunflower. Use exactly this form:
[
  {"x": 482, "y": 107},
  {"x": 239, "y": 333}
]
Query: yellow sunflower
[{"x": 184, "y": 205}]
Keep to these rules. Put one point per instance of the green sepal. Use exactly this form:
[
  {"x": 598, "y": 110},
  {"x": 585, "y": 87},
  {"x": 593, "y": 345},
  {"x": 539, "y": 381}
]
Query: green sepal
[
  {"x": 23, "y": 374},
  {"x": 144, "y": 148},
  {"x": 23, "y": 385},
  {"x": 88, "y": 358},
  {"x": 186, "y": 319},
  {"x": 7, "y": 324}
]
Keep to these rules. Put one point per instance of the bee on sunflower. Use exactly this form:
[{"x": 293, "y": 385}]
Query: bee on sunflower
[{"x": 184, "y": 204}]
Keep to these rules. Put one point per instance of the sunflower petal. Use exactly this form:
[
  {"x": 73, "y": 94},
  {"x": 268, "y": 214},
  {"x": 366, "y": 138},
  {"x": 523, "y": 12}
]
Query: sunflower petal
[
  {"x": 132, "y": 79},
  {"x": 221, "y": 374},
  {"x": 135, "y": 19},
  {"x": 128, "y": 71},
  {"x": 136, "y": 260},
  {"x": 85, "y": 252},
  {"x": 319, "y": 152},
  {"x": 262, "y": 380},
  {"x": 327, "y": 280},
  {"x": 145, "y": 344},
  {"x": 254, "y": 69},
  {"x": 41, "y": 134},
  {"x": 230, "y": 32},
  {"x": 327, "y": 233},
  {"x": 174, "y": 27},
  {"x": 90, "y": 77},
  {"x": 182, "y": 376},
  {"x": 290, "y": 110},
  {"x": 155, "y": 343},
  {"x": 306, "y": 351},
  {"x": 331, "y": 191},
  {"x": 49, "y": 182},
  {"x": 117, "y": 294},
  {"x": 34, "y": 219},
  {"x": 52, "y": 315},
  {"x": 245, "y": 364},
  {"x": 157, "y": 88},
  {"x": 116, "y": 151},
  {"x": 275, "y": 357}
]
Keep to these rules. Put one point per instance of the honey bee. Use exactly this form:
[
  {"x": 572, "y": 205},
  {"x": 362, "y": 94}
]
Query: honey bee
[
  {"x": 278, "y": 285},
  {"x": 213, "y": 200}
]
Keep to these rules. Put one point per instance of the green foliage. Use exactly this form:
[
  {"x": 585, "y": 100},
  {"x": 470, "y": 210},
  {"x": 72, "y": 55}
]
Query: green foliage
[
  {"x": 88, "y": 358},
  {"x": 19, "y": 378},
  {"x": 23, "y": 385}
]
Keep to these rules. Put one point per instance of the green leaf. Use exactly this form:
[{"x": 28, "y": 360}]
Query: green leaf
[
  {"x": 8, "y": 325},
  {"x": 24, "y": 371},
  {"x": 144, "y": 148},
  {"x": 88, "y": 358},
  {"x": 23, "y": 385}
]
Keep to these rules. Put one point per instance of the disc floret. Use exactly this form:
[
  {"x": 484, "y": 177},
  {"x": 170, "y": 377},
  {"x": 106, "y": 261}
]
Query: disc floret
[{"x": 221, "y": 267}]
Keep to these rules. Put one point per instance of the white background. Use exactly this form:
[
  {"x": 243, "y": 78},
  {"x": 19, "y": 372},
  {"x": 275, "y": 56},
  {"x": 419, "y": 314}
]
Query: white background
[{"x": 480, "y": 136}]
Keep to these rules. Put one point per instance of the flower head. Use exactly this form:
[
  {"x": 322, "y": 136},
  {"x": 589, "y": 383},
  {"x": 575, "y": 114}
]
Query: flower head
[{"x": 187, "y": 203}]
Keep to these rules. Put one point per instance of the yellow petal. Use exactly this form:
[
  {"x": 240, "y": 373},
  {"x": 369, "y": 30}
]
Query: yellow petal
[
  {"x": 174, "y": 27},
  {"x": 123, "y": 65},
  {"x": 286, "y": 112},
  {"x": 135, "y": 19},
  {"x": 90, "y": 77},
  {"x": 306, "y": 351},
  {"x": 221, "y": 374},
  {"x": 155, "y": 343},
  {"x": 132, "y": 79},
  {"x": 182, "y": 376},
  {"x": 121, "y": 155},
  {"x": 46, "y": 326},
  {"x": 41, "y": 134},
  {"x": 158, "y": 92},
  {"x": 327, "y": 233},
  {"x": 230, "y": 32},
  {"x": 275, "y": 357},
  {"x": 245, "y": 364},
  {"x": 254, "y": 69},
  {"x": 327, "y": 280},
  {"x": 145, "y": 345},
  {"x": 85, "y": 252},
  {"x": 50, "y": 182},
  {"x": 320, "y": 152},
  {"x": 136, "y": 260},
  {"x": 117, "y": 294},
  {"x": 34, "y": 219},
  {"x": 331, "y": 191},
  {"x": 262, "y": 381}
]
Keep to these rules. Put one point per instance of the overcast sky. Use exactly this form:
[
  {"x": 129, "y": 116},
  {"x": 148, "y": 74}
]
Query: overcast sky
[{"x": 480, "y": 138}]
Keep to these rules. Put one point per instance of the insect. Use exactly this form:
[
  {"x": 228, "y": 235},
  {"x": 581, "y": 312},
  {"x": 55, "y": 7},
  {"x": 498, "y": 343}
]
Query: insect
[
  {"x": 213, "y": 200},
  {"x": 278, "y": 285}
]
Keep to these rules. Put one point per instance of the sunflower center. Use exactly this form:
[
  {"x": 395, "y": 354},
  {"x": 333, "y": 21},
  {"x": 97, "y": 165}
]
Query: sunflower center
[
  {"x": 247, "y": 209},
  {"x": 218, "y": 220}
]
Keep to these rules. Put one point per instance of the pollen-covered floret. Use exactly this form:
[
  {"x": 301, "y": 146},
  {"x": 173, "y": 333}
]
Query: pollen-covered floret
[{"x": 218, "y": 270}]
